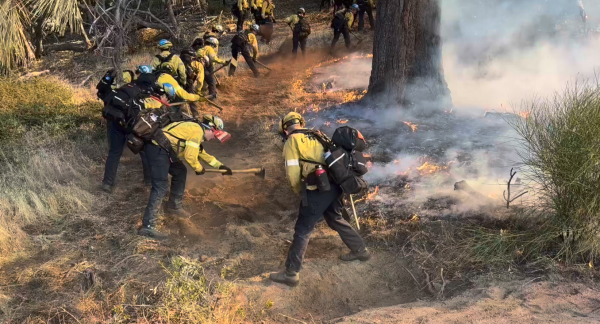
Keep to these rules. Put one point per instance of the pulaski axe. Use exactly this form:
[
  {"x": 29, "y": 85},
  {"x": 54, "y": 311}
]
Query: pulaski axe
[
  {"x": 259, "y": 172},
  {"x": 232, "y": 66}
]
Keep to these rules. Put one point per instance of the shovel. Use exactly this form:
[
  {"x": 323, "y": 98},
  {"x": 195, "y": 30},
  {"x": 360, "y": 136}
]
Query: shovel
[
  {"x": 213, "y": 104},
  {"x": 266, "y": 67},
  {"x": 354, "y": 210},
  {"x": 259, "y": 172},
  {"x": 360, "y": 40}
]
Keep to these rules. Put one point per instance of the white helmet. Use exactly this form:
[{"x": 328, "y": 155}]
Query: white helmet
[
  {"x": 213, "y": 41},
  {"x": 256, "y": 28}
]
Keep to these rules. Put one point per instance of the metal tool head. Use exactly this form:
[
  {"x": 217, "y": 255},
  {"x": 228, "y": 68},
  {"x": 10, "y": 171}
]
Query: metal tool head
[{"x": 261, "y": 173}]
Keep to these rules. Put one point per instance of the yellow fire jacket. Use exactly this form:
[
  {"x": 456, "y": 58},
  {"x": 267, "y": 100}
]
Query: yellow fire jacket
[
  {"x": 292, "y": 21},
  {"x": 198, "y": 69},
  {"x": 242, "y": 4},
  {"x": 256, "y": 3},
  {"x": 297, "y": 148},
  {"x": 268, "y": 10},
  {"x": 254, "y": 43},
  {"x": 165, "y": 79},
  {"x": 174, "y": 65},
  {"x": 186, "y": 139},
  {"x": 211, "y": 53}
]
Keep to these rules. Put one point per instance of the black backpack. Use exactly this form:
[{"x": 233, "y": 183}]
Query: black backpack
[
  {"x": 346, "y": 164},
  {"x": 240, "y": 39},
  {"x": 124, "y": 104},
  {"x": 163, "y": 66},
  {"x": 302, "y": 28},
  {"x": 104, "y": 87}
]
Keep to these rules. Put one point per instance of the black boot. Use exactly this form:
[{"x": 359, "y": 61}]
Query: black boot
[
  {"x": 176, "y": 210},
  {"x": 151, "y": 231},
  {"x": 286, "y": 277},
  {"x": 362, "y": 256},
  {"x": 107, "y": 188}
]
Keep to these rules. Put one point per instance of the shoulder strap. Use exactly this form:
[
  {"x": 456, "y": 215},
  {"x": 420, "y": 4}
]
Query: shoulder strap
[{"x": 165, "y": 59}]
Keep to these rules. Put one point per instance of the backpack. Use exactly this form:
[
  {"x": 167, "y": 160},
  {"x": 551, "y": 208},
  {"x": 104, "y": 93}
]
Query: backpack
[
  {"x": 240, "y": 39},
  {"x": 302, "y": 28},
  {"x": 124, "y": 104},
  {"x": 148, "y": 126},
  {"x": 346, "y": 163},
  {"x": 165, "y": 65}
]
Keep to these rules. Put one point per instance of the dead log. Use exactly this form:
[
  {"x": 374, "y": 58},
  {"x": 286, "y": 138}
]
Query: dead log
[
  {"x": 33, "y": 74},
  {"x": 75, "y": 47}
]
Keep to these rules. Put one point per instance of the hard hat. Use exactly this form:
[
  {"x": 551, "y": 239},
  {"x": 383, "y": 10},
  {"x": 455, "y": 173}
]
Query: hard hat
[
  {"x": 256, "y": 28},
  {"x": 301, "y": 11},
  {"x": 214, "y": 122},
  {"x": 213, "y": 41},
  {"x": 145, "y": 69},
  {"x": 292, "y": 118},
  {"x": 164, "y": 44},
  {"x": 218, "y": 28},
  {"x": 354, "y": 7},
  {"x": 169, "y": 90}
]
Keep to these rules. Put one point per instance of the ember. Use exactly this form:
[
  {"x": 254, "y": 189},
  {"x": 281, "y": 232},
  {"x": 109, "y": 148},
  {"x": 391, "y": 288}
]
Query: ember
[
  {"x": 342, "y": 121},
  {"x": 327, "y": 124},
  {"x": 412, "y": 126},
  {"x": 372, "y": 195},
  {"x": 430, "y": 168}
]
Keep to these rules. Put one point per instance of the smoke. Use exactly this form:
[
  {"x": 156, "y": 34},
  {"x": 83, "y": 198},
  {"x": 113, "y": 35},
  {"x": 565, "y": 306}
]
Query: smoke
[{"x": 498, "y": 53}]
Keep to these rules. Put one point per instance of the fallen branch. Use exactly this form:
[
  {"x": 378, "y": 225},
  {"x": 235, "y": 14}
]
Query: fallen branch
[
  {"x": 33, "y": 74},
  {"x": 86, "y": 80}
]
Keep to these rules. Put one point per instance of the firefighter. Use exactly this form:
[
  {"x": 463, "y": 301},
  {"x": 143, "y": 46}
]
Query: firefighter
[
  {"x": 186, "y": 139},
  {"x": 341, "y": 24},
  {"x": 107, "y": 83},
  {"x": 169, "y": 62},
  {"x": 365, "y": 6},
  {"x": 240, "y": 10},
  {"x": 210, "y": 50},
  {"x": 303, "y": 153},
  {"x": 194, "y": 68},
  {"x": 296, "y": 22},
  {"x": 256, "y": 9},
  {"x": 241, "y": 44},
  {"x": 117, "y": 136},
  {"x": 267, "y": 12}
]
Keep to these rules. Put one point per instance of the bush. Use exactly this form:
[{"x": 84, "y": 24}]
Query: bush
[{"x": 561, "y": 153}]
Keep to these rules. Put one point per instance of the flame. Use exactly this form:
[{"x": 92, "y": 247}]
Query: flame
[
  {"x": 342, "y": 121},
  {"x": 372, "y": 195},
  {"x": 430, "y": 168},
  {"x": 525, "y": 114},
  {"x": 412, "y": 126},
  {"x": 369, "y": 56},
  {"x": 327, "y": 124}
]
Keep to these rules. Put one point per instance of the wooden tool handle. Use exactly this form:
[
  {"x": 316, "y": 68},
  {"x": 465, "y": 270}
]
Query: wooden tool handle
[{"x": 235, "y": 171}]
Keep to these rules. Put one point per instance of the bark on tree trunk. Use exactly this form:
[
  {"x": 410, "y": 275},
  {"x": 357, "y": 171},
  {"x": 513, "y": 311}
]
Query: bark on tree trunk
[
  {"x": 407, "y": 55},
  {"x": 172, "y": 17},
  {"x": 39, "y": 38}
]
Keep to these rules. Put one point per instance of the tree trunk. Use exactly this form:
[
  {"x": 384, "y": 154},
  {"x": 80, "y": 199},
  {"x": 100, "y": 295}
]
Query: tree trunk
[
  {"x": 407, "y": 55},
  {"x": 39, "y": 37},
  {"x": 172, "y": 17}
]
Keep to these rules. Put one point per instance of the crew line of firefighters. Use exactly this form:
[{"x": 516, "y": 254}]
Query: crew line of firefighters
[{"x": 181, "y": 78}]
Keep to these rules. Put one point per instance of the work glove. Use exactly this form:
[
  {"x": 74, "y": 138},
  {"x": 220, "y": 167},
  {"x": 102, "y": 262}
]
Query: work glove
[
  {"x": 201, "y": 172},
  {"x": 227, "y": 63},
  {"x": 229, "y": 172}
]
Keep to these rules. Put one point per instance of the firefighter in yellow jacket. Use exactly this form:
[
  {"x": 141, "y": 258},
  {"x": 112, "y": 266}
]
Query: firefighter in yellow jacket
[
  {"x": 241, "y": 44},
  {"x": 169, "y": 62},
  {"x": 186, "y": 140},
  {"x": 303, "y": 154},
  {"x": 240, "y": 9},
  {"x": 210, "y": 50},
  {"x": 194, "y": 67},
  {"x": 341, "y": 24},
  {"x": 256, "y": 9}
]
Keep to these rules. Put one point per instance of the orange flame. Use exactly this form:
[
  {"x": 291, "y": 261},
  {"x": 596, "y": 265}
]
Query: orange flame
[
  {"x": 372, "y": 195},
  {"x": 430, "y": 168},
  {"x": 412, "y": 126},
  {"x": 342, "y": 121},
  {"x": 525, "y": 114}
]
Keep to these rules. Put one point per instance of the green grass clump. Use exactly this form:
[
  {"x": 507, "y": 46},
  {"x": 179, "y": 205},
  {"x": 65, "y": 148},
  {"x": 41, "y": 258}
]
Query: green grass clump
[{"x": 561, "y": 152}]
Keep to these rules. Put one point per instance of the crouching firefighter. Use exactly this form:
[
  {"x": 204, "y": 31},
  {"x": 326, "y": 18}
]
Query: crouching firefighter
[
  {"x": 121, "y": 107},
  {"x": 184, "y": 144},
  {"x": 242, "y": 43},
  {"x": 305, "y": 165}
]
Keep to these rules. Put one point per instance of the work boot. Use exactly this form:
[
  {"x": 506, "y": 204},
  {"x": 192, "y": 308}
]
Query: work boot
[
  {"x": 148, "y": 183},
  {"x": 176, "y": 212},
  {"x": 362, "y": 256},
  {"x": 257, "y": 75},
  {"x": 107, "y": 188},
  {"x": 286, "y": 277},
  {"x": 151, "y": 231}
]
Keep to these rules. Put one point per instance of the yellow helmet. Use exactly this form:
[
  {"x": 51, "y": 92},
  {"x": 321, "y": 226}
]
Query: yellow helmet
[
  {"x": 210, "y": 121},
  {"x": 292, "y": 118}
]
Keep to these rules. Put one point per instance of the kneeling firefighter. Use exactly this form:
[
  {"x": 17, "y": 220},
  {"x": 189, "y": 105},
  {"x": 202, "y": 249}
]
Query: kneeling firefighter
[
  {"x": 185, "y": 138},
  {"x": 304, "y": 156}
]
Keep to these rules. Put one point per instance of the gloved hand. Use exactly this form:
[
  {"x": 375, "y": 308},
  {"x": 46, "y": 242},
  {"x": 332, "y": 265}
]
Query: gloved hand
[
  {"x": 254, "y": 59},
  {"x": 227, "y": 63},
  {"x": 229, "y": 172},
  {"x": 201, "y": 172}
]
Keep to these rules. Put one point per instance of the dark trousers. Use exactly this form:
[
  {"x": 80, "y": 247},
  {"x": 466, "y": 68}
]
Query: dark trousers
[
  {"x": 211, "y": 81},
  {"x": 321, "y": 204},
  {"x": 235, "y": 50},
  {"x": 361, "y": 16},
  {"x": 336, "y": 37},
  {"x": 297, "y": 40},
  {"x": 241, "y": 17},
  {"x": 161, "y": 167},
  {"x": 190, "y": 88},
  {"x": 257, "y": 15},
  {"x": 117, "y": 138}
]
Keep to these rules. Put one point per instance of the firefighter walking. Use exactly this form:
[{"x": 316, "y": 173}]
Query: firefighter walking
[
  {"x": 242, "y": 43},
  {"x": 303, "y": 155},
  {"x": 185, "y": 138},
  {"x": 341, "y": 24},
  {"x": 300, "y": 31}
]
